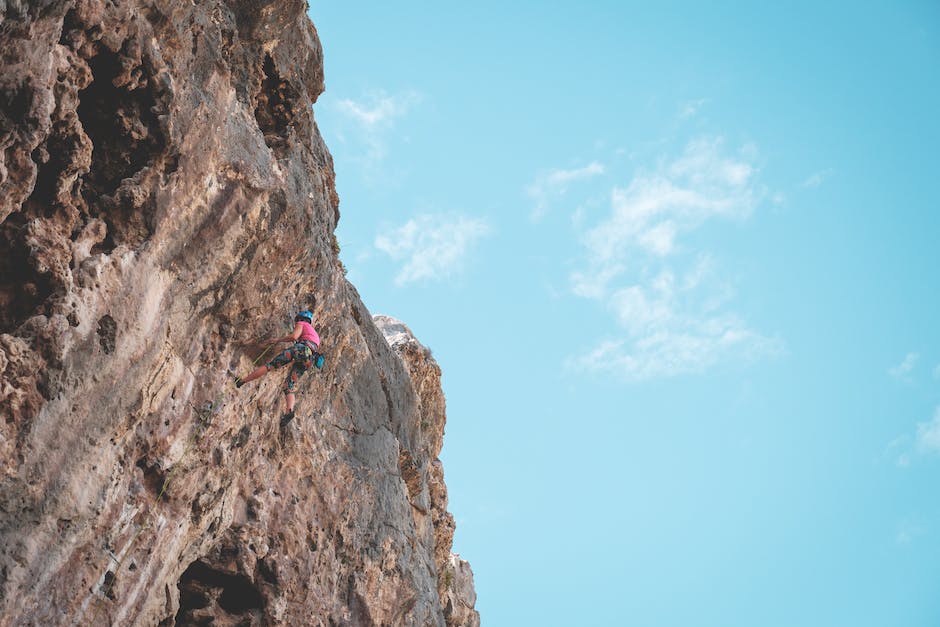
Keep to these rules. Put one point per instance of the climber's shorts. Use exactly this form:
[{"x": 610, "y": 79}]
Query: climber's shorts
[{"x": 300, "y": 355}]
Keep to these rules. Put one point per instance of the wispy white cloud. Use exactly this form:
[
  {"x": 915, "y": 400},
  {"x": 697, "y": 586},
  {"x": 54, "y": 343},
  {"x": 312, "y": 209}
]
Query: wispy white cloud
[
  {"x": 928, "y": 435},
  {"x": 667, "y": 297},
  {"x": 656, "y": 207},
  {"x": 378, "y": 108},
  {"x": 431, "y": 247},
  {"x": 908, "y": 531},
  {"x": 672, "y": 352},
  {"x": 898, "y": 450},
  {"x": 370, "y": 123},
  {"x": 691, "y": 107},
  {"x": 816, "y": 179},
  {"x": 903, "y": 369},
  {"x": 553, "y": 184},
  {"x": 594, "y": 283},
  {"x": 925, "y": 441}
]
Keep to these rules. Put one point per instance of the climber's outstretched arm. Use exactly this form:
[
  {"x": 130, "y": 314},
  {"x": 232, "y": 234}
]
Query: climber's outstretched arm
[{"x": 293, "y": 337}]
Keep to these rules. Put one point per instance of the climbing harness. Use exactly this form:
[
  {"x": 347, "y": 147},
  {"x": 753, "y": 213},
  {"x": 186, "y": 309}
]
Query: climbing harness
[{"x": 316, "y": 358}]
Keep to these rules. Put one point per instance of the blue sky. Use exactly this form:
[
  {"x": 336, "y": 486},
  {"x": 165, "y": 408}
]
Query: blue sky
[{"x": 679, "y": 266}]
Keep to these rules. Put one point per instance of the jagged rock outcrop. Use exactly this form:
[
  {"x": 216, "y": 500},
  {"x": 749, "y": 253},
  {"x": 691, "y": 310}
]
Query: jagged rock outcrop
[
  {"x": 459, "y": 596},
  {"x": 165, "y": 201},
  {"x": 424, "y": 474}
]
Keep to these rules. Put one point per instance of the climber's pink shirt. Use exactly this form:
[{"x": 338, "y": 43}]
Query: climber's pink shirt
[{"x": 308, "y": 333}]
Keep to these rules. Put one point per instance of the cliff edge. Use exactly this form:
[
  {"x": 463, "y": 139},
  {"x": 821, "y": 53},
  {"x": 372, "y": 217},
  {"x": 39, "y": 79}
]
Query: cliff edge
[{"x": 166, "y": 201}]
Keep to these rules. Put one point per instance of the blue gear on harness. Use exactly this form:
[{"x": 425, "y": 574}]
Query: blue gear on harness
[{"x": 316, "y": 359}]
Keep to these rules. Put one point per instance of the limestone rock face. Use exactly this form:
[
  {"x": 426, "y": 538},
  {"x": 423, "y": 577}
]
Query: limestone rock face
[
  {"x": 167, "y": 202},
  {"x": 460, "y": 595},
  {"x": 424, "y": 474}
]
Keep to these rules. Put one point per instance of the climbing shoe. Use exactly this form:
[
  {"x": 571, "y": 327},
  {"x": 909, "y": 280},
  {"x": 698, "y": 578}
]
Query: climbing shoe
[
  {"x": 286, "y": 418},
  {"x": 239, "y": 382}
]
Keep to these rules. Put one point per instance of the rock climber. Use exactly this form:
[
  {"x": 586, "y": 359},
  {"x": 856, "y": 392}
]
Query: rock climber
[{"x": 302, "y": 355}]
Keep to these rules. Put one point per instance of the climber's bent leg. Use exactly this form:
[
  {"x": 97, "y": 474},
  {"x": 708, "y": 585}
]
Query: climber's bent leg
[
  {"x": 257, "y": 373},
  {"x": 300, "y": 366},
  {"x": 285, "y": 357}
]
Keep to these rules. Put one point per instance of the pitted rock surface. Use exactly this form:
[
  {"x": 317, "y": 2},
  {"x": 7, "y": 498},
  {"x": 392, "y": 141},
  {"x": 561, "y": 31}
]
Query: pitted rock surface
[
  {"x": 424, "y": 474},
  {"x": 166, "y": 203}
]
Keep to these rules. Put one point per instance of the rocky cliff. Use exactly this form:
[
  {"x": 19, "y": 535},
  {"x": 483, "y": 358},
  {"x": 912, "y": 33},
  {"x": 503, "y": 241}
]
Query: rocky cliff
[{"x": 166, "y": 202}]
